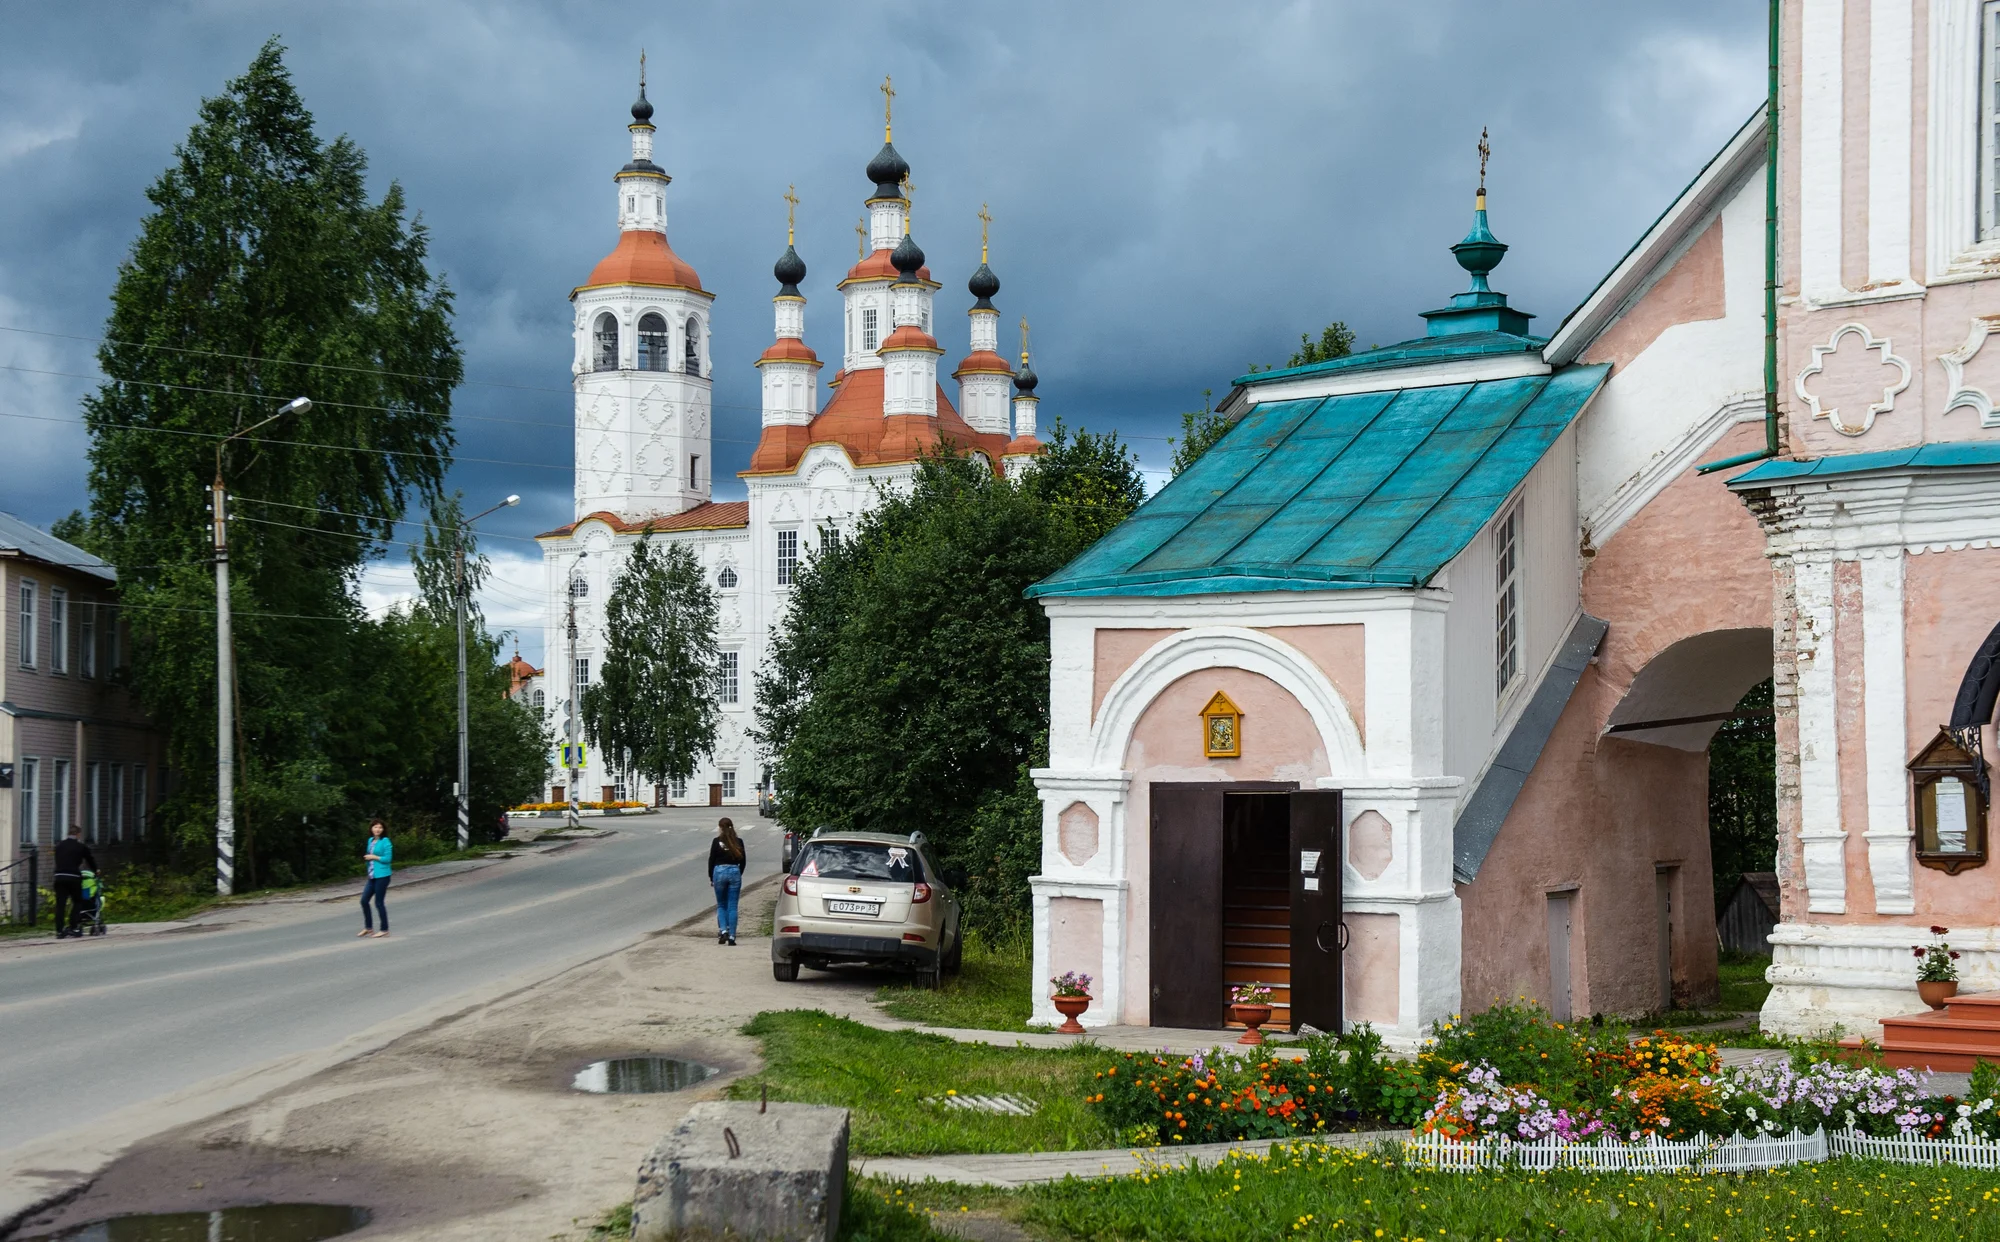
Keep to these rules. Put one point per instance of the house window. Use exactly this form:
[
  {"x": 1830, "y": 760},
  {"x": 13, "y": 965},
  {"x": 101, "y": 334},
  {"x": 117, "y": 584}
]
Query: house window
[
  {"x": 58, "y": 630},
  {"x": 692, "y": 365},
  {"x": 869, "y": 335},
  {"x": 579, "y": 674},
  {"x": 788, "y": 556},
  {"x": 139, "y": 807},
  {"x": 115, "y": 796},
  {"x": 1506, "y": 601},
  {"x": 606, "y": 338},
  {"x": 93, "y": 799},
  {"x": 729, "y": 782},
  {"x": 25, "y": 830},
  {"x": 679, "y": 787},
  {"x": 115, "y": 649},
  {"x": 59, "y": 810},
  {"x": 725, "y": 677},
  {"x": 86, "y": 639},
  {"x": 1989, "y": 120},
  {"x": 726, "y": 579},
  {"x": 27, "y": 624},
  {"x": 652, "y": 342}
]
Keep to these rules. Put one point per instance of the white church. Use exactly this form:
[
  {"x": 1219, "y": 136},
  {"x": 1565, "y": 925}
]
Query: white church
[{"x": 644, "y": 367}]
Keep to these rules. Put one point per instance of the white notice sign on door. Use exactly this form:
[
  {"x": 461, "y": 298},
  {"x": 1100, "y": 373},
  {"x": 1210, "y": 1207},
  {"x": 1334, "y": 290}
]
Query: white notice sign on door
[
  {"x": 1312, "y": 884},
  {"x": 1309, "y": 861}
]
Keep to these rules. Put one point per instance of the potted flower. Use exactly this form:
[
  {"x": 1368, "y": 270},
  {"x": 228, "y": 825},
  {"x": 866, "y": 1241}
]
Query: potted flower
[
  {"x": 1071, "y": 993},
  {"x": 1937, "y": 977},
  {"x": 1250, "y": 1004}
]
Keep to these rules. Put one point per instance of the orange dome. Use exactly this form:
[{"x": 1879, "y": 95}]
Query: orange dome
[
  {"x": 643, "y": 257},
  {"x": 879, "y": 266},
  {"x": 789, "y": 349},
  {"x": 984, "y": 362},
  {"x": 910, "y": 336}
]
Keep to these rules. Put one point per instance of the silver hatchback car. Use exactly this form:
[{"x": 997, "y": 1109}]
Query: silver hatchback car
[{"x": 867, "y": 897}]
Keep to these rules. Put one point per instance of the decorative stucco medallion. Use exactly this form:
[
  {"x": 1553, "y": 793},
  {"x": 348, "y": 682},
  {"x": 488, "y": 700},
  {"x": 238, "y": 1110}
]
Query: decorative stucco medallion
[
  {"x": 1848, "y": 388},
  {"x": 1972, "y": 391},
  {"x": 1076, "y": 833}
]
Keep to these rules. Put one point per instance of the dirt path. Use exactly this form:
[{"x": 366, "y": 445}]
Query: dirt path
[{"x": 468, "y": 1129}]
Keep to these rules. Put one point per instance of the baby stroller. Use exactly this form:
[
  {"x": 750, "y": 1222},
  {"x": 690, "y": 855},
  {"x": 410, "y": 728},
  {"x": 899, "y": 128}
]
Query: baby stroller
[{"x": 90, "y": 911}]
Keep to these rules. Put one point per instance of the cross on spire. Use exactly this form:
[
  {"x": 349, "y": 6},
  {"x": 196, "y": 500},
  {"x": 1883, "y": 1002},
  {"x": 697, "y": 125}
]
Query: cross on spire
[
  {"x": 1024, "y": 340},
  {"x": 861, "y": 238},
  {"x": 791, "y": 214},
  {"x": 909, "y": 191},
  {"x": 888, "y": 101},
  {"x": 1485, "y": 150},
  {"x": 985, "y": 219},
  {"x": 642, "y": 71}
]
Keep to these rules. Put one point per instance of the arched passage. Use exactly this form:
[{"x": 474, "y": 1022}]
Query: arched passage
[{"x": 1686, "y": 691}]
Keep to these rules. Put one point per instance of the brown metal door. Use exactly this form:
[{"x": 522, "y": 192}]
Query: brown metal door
[
  {"x": 715, "y": 795},
  {"x": 1186, "y": 905},
  {"x": 1318, "y": 936}
]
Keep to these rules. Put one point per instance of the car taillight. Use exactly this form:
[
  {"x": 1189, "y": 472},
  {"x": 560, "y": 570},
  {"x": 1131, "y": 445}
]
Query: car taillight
[
  {"x": 919, "y": 893},
  {"x": 792, "y": 886}
]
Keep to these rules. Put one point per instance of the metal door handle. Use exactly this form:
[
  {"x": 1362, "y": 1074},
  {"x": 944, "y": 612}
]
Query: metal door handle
[{"x": 1339, "y": 936}]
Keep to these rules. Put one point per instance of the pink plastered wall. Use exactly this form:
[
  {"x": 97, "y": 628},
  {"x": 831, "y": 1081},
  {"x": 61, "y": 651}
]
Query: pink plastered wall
[
  {"x": 1076, "y": 937},
  {"x": 1599, "y": 813},
  {"x": 1339, "y": 651},
  {"x": 1689, "y": 292},
  {"x": 1371, "y": 969},
  {"x": 1280, "y": 743}
]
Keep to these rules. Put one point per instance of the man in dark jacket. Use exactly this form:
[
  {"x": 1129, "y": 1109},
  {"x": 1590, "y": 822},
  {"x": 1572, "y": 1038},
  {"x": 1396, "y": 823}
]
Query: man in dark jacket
[{"x": 73, "y": 858}]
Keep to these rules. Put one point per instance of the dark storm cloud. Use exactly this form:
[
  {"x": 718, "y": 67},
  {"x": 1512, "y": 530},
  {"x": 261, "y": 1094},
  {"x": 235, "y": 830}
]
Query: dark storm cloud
[{"x": 1178, "y": 189}]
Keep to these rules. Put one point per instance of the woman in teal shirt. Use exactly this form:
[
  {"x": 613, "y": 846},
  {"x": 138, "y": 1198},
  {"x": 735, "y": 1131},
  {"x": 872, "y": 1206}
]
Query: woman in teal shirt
[{"x": 378, "y": 853}]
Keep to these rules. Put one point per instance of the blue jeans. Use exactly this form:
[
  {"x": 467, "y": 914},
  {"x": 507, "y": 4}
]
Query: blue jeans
[
  {"x": 728, "y": 881},
  {"x": 378, "y": 888}
]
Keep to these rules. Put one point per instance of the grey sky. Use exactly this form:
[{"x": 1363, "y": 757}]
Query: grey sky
[{"x": 1178, "y": 189}]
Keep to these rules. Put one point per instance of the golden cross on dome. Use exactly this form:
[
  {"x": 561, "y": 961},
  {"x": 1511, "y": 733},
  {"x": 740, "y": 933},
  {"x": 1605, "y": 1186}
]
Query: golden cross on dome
[
  {"x": 1485, "y": 149},
  {"x": 888, "y": 100},
  {"x": 909, "y": 196},
  {"x": 791, "y": 213},
  {"x": 861, "y": 238},
  {"x": 985, "y": 219},
  {"x": 1024, "y": 340},
  {"x": 642, "y": 70}
]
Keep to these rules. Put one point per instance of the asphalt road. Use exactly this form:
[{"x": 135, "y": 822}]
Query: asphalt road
[{"x": 87, "y": 1028}]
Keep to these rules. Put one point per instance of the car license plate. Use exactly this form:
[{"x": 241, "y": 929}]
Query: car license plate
[{"x": 869, "y": 908}]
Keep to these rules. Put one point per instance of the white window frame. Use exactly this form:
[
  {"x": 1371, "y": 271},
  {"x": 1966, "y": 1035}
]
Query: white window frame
[
  {"x": 725, "y": 578},
  {"x": 139, "y": 807},
  {"x": 579, "y": 677},
  {"x": 28, "y": 783},
  {"x": 728, "y": 666},
  {"x": 729, "y": 782},
  {"x": 58, "y": 630},
  {"x": 677, "y": 788},
  {"x": 788, "y": 556},
  {"x": 60, "y": 813},
  {"x": 1960, "y": 238},
  {"x": 86, "y": 638},
  {"x": 29, "y": 643},
  {"x": 1507, "y": 601},
  {"x": 871, "y": 332}
]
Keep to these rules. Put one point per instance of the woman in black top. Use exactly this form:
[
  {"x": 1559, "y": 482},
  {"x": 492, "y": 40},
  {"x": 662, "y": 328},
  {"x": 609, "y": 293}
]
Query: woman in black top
[{"x": 725, "y": 873}]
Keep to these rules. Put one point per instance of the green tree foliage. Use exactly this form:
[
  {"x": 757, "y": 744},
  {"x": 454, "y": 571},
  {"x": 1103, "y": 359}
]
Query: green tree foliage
[
  {"x": 651, "y": 708},
  {"x": 1743, "y": 793},
  {"x": 1200, "y": 429},
  {"x": 1336, "y": 340},
  {"x": 907, "y": 683},
  {"x": 263, "y": 271}
]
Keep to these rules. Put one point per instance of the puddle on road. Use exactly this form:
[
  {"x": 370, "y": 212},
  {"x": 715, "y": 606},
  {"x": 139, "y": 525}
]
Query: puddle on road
[
  {"x": 271, "y": 1222},
  {"x": 639, "y": 1076}
]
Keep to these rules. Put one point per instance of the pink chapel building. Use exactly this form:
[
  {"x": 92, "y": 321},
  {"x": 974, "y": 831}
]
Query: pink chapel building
[{"x": 1400, "y": 697}]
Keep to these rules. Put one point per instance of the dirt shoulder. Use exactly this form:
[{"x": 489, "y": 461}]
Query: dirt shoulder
[{"x": 468, "y": 1128}]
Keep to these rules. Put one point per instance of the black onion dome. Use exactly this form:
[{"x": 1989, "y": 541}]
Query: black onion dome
[
  {"x": 790, "y": 270},
  {"x": 642, "y": 111},
  {"x": 887, "y": 171},
  {"x": 983, "y": 285},
  {"x": 1024, "y": 379},
  {"x": 908, "y": 257}
]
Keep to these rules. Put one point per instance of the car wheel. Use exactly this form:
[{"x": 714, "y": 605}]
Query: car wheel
[
  {"x": 931, "y": 978},
  {"x": 785, "y": 972}
]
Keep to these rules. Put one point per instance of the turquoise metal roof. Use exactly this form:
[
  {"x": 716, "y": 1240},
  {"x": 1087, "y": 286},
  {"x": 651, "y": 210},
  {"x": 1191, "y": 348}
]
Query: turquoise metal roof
[
  {"x": 1409, "y": 353},
  {"x": 1917, "y": 457},
  {"x": 1377, "y": 489}
]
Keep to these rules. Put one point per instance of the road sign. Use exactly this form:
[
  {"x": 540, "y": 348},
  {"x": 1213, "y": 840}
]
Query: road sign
[{"x": 573, "y": 756}]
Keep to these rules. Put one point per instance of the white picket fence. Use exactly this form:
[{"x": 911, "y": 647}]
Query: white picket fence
[
  {"x": 1975, "y": 1153},
  {"x": 1700, "y": 1154}
]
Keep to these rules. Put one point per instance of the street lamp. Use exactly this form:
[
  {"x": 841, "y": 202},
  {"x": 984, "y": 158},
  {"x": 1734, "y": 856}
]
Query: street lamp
[
  {"x": 225, "y": 665},
  {"x": 464, "y": 787}
]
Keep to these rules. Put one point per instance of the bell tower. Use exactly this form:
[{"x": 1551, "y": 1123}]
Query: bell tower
[{"x": 642, "y": 363}]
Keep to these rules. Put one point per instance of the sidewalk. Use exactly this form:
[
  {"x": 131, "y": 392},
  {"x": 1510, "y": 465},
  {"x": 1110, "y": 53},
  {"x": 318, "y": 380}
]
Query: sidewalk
[{"x": 1023, "y": 1169}]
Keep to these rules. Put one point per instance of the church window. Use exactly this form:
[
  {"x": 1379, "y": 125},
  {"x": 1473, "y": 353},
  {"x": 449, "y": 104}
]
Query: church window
[
  {"x": 869, "y": 334},
  {"x": 678, "y": 786},
  {"x": 788, "y": 557},
  {"x": 693, "y": 356},
  {"x": 726, "y": 579},
  {"x": 652, "y": 343},
  {"x": 579, "y": 586},
  {"x": 729, "y": 782},
  {"x": 632, "y": 203},
  {"x": 606, "y": 338},
  {"x": 725, "y": 677},
  {"x": 1989, "y": 121},
  {"x": 541, "y": 699},
  {"x": 579, "y": 674},
  {"x": 1506, "y": 600},
  {"x": 694, "y": 471}
]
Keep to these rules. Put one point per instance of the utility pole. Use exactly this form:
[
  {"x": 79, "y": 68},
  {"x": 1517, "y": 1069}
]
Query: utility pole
[
  {"x": 225, "y": 666},
  {"x": 574, "y": 703},
  {"x": 462, "y": 790}
]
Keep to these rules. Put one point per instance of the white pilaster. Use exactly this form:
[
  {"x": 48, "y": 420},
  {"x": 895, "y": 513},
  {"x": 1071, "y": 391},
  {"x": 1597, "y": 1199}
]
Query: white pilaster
[
  {"x": 1889, "y": 844},
  {"x": 1889, "y": 124},
  {"x": 1820, "y": 135},
  {"x": 1819, "y": 744}
]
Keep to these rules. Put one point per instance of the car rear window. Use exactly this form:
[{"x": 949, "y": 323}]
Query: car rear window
[{"x": 860, "y": 860}]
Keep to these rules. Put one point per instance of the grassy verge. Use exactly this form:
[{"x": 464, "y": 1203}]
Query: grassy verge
[
  {"x": 1743, "y": 986},
  {"x": 991, "y": 992},
  {"x": 1322, "y": 1194},
  {"x": 896, "y": 1082}
]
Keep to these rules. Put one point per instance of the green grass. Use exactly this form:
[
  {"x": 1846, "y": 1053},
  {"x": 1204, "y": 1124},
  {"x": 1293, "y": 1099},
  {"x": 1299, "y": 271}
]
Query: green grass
[
  {"x": 1330, "y": 1195},
  {"x": 1743, "y": 986},
  {"x": 882, "y": 1212},
  {"x": 616, "y": 1223},
  {"x": 991, "y": 993},
  {"x": 894, "y": 1083}
]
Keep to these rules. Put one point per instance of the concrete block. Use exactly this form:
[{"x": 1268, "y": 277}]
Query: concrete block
[{"x": 782, "y": 1181}]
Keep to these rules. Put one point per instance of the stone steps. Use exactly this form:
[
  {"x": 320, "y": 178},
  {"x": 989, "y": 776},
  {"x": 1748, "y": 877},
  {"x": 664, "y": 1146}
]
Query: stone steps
[{"x": 1966, "y": 1030}]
